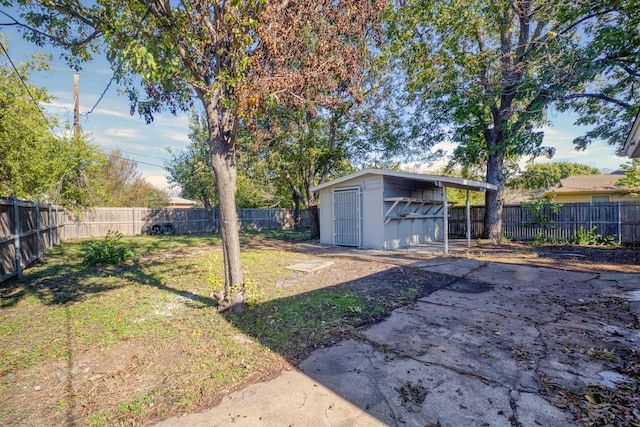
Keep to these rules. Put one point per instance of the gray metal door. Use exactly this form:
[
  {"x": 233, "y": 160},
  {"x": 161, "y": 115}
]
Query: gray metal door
[{"x": 346, "y": 217}]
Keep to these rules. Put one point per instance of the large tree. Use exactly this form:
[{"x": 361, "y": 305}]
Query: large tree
[
  {"x": 367, "y": 128},
  {"x": 230, "y": 55},
  {"x": 485, "y": 73}
]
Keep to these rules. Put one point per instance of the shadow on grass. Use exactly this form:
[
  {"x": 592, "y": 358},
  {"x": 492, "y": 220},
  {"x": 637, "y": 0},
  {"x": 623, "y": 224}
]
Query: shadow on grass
[
  {"x": 70, "y": 282},
  {"x": 295, "y": 325}
]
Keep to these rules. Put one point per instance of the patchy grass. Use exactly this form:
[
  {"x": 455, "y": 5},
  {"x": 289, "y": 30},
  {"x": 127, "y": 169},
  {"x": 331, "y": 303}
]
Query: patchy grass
[{"x": 138, "y": 342}]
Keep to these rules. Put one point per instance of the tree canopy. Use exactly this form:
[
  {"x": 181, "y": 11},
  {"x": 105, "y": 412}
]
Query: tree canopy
[
  {"x": 485, "y": 73},
  {"x": 121, "y": 184},
  {"x": 540, "y": 176},
  {"x": 631, "y": 178}
]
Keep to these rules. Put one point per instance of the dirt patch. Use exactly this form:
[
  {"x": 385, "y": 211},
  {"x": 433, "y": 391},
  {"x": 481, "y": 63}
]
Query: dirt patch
[{"x": 579, "y": 258}]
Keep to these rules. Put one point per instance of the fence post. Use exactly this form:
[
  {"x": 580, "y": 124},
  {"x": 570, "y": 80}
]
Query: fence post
[
  {"x": 58, "y": 234},
  {"x": 38, "y": 249},
  {"x": 50, "y": 212},
  {"x": 16, "y": 236},
  {"x": 619, "y": 225}
]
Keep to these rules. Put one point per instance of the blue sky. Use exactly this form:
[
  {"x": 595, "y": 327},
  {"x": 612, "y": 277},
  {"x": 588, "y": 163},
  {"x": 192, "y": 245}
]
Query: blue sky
[{"x": 112, "y": 127}]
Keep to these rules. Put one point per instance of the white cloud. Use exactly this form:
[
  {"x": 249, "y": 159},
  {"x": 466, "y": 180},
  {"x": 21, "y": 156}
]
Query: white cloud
[
  {"x": 123, "y": 132},
  {"x": 111, "y": 113},
  {"x": 598, "y": 154},
  {"x": 177, "y": 136}
]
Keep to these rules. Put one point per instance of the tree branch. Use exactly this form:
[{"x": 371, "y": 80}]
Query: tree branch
[
  {"x": 595, "y": 96},
  {"x": 64, "y": 43}
]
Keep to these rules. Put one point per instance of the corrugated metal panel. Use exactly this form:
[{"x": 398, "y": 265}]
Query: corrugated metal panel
[{"x": 346, "y": 217}]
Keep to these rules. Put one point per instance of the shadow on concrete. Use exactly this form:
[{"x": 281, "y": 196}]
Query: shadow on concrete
[{"x": 457, "y": 342}]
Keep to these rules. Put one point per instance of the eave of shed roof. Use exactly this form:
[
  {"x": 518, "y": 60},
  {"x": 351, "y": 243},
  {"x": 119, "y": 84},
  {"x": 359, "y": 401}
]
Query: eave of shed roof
[
  {"x": 632, "y": 144},
  {"x": 444, "y": 181}
]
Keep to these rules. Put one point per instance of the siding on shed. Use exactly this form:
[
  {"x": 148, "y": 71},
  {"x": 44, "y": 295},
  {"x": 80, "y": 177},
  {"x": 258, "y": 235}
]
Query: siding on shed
[{"x": 370, "y": 211}]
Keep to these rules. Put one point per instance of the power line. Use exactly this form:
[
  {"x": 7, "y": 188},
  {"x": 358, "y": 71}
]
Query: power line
[
  {"x": 134, "y": 160},
  {"x": 145, "y": 155},
  {"x": 100, "y": 97}
]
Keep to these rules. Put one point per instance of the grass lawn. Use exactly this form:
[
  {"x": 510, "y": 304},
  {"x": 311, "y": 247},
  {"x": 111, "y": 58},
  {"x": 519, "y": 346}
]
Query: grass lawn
[{"x": 130, "y": 344}]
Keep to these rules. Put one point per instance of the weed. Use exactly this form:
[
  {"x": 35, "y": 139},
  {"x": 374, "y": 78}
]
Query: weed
[
  {"x": 107, "y": 251},
  {"x": 136, "y": 407},
  {"x": 590, "y": 237},
  {"x": 98, "y": 420},
  {"x": 602, "y": 354}
]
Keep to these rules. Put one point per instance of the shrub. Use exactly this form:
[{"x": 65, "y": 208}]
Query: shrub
[
  {"x": 590, "y": 237},
  {"x": 107, "y": 251}
]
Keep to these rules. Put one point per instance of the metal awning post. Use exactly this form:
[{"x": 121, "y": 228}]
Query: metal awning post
[
  {"x": 468, "y": 214},
  {"x": 446, "y": 220}
]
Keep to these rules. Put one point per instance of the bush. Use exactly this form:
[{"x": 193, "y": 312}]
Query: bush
[
  {"x": 107, "y": 251},
  {"x": 590, "y": 237}
]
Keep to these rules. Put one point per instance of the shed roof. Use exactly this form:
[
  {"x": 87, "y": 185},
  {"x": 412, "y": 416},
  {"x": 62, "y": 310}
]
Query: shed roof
[
  {"x": 632, "y": 144},
  {"x": 444, "y": 181}
]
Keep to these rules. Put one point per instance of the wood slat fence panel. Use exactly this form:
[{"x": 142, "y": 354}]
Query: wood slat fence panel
[
  {"x": 556, "y": 221},
  {"x": 27, "y": 229},
  {"x": 132, "y": 221}
]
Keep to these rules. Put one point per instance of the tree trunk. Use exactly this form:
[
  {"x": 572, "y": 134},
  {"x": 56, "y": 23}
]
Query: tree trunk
[
  {"x": 296, "y": 212},
  {"x": 314, "y": 219},
  {"x": 222, "y": 131},
  {"x": 493, "y": 198}
]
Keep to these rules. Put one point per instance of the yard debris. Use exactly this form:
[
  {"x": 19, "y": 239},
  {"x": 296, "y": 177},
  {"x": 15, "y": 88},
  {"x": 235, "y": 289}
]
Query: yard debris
[{"x": 414, "y": 393}]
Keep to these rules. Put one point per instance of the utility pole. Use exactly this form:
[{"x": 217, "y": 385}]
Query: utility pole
[{"x": 76, "y": 106}]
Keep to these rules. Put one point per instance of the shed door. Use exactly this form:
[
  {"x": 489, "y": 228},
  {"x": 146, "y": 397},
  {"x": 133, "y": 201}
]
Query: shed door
[{"x": 346, "y": 217}]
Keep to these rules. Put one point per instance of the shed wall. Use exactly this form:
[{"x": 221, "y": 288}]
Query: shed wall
[{"x": 370, "y": 211}]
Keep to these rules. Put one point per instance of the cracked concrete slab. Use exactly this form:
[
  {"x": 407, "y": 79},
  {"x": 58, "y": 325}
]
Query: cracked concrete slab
[
  {"x": 457, "y": 267},
  {"x": 479, "y": 352}
]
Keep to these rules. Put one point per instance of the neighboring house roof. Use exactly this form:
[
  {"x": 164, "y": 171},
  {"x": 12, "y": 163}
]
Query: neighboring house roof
[
  {"x": 587, "y": 184},
  {"x": 445, "y": 181},
  {"x": 632, "y": 144},
  {"x": 174, "y": 200}
]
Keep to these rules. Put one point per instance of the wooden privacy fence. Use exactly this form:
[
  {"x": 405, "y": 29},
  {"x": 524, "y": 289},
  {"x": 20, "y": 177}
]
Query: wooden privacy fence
[
  {"x": 132, "y": 221},
  {"x": 27, "y": 229},
  {"x": 556, "y": 221}
]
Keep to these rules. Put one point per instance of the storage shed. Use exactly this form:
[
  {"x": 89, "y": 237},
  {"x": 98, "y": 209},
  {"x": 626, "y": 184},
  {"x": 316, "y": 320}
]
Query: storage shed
[{"x": 384, "y": 209}]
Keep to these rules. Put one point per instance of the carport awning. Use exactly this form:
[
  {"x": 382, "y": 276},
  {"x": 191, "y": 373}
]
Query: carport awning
[{"x": 440, "y": 181}]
